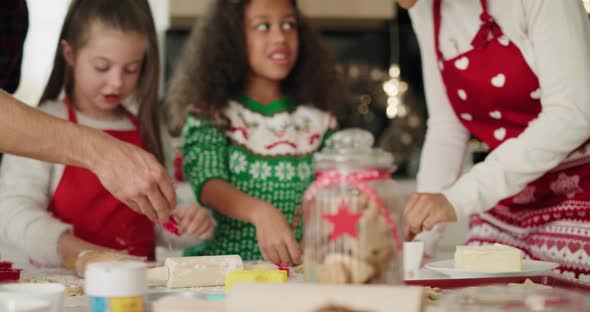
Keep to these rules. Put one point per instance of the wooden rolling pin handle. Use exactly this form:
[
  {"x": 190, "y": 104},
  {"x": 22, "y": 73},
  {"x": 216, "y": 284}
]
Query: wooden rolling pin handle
[{"x": 158, "y": 274}]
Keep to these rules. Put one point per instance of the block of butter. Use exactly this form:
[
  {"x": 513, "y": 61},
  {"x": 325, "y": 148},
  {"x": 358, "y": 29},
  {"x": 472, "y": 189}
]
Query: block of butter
[
  {"x": 488, "y": 258},
  {"x": 254, "y": 276}
]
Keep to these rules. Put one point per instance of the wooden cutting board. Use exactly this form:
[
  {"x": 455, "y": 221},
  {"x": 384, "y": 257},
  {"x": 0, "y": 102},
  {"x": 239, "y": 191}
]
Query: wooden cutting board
[{"x": 302, "y": 297}]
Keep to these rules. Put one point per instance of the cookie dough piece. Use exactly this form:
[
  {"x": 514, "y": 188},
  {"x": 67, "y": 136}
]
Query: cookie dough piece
[
  {"x": 332, "y": 273},
  {"x": 359, "y": 271},
  {"x": 336, "y": 308},
  {"x": 529, "y": 284},
  {"x": 373, "y": 233},
  {"x": 432, "y": 293}
]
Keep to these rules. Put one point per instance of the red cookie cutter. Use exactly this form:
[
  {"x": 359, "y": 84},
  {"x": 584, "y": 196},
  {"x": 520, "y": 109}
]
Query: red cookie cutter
[
  {"x": 283, "y": 267},
  {"x": 5, "y": 265},
  {"x": 171, "y": 226},
  {"x": 7, "y": 273}
]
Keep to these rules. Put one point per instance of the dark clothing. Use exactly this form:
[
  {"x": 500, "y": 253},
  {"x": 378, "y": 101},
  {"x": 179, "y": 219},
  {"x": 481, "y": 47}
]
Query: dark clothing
[{"x": 14, "y": 23}]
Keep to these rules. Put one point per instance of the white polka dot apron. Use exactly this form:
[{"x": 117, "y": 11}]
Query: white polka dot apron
[{"x": 496, "y": 95}]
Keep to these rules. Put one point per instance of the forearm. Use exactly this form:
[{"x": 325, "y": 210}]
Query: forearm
[
  {"x": 69, "y": 247},
  {"x": 443, "y": 157},
  {"x": 28, "y": 132},
  {"x": 228, "y": 200}
]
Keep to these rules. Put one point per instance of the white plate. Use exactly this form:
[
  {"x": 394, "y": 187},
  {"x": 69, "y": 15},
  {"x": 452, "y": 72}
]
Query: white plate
[{"x": 529, "y": 268}]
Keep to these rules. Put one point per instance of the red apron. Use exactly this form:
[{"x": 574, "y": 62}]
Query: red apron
[
  {"x": 96, "y": 215},
  {"x": 495, "y": 95}
]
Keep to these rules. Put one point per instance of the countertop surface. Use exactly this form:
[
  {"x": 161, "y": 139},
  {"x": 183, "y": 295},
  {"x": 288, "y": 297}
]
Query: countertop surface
[{"x": 81, "y": 303}]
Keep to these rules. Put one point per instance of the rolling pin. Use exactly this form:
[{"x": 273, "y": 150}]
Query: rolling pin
[
  {"x": 306, "y": 297},
  {"x": 195, "y": 271}
]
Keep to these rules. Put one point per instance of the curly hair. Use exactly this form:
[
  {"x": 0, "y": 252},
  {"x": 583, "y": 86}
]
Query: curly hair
[{"x": 214, "y": 66}]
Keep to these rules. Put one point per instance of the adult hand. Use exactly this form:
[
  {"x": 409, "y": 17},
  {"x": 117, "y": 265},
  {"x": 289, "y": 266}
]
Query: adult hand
[
  {"x": 275, "y": 237},
  {"x": 194, "y": 220},
  {"x": 129, "y": 173},
  {"x": 423, "y": 211},
  {"x": 135, "y": 177}
]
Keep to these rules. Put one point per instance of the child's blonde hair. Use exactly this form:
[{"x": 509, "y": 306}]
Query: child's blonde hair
[{"x": 124, "y": 15}]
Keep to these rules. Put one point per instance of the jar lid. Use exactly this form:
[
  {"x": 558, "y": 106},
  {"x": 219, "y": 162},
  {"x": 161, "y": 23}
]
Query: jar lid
[
  {"x": 115, "y": 279},
  {"x": 352, "y": 148}
]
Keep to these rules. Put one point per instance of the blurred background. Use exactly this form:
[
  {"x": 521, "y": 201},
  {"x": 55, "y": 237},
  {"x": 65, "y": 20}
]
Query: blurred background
[
  {"x": 373, "y": 41},
  {"x": 365, "y": 35}
]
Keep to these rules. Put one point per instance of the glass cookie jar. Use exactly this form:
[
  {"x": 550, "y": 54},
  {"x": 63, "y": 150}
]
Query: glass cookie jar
[{"x": 352, "y": 216}]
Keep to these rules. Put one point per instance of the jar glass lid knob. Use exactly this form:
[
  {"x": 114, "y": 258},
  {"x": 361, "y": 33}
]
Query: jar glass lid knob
[
  {"x": 352, "y": 149},
  {"x": 351, "y": 139}
]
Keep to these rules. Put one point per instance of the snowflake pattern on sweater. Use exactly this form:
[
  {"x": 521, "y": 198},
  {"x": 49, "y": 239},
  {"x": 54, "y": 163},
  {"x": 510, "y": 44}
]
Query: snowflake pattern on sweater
[{"x": 265, "y": 152}]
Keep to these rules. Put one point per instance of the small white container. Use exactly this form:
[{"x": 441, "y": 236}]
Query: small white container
[
  {"x": 116, "y": 286},
  {"x": 413, "y": 254},
  {"x": 53, "y": 293},
  {"x": 16, "y": 302}
]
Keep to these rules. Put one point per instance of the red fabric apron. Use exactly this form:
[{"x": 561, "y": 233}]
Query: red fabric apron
[
  {"x": 96, "y": 215},
  {"x": 495, "y": 95}
]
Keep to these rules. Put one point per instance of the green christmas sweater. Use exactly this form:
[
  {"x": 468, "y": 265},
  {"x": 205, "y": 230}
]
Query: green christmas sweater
[{"x": 265, "y": 152}]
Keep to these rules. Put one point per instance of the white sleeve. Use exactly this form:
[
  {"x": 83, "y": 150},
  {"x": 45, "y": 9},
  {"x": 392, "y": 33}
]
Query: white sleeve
[
  {"x": 24, "y": 199},
  {"x": 446, "y": 139},
  {"x": 559, "y": 33}
]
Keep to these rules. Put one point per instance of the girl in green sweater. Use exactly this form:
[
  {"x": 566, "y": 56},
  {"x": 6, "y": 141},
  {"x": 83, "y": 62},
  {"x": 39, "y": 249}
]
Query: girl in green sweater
[{"x": 257, "y": 90}]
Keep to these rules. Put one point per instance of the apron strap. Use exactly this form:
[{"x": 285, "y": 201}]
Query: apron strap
[
  {"x": 480, "y": 40},
  {"x": 437, "y": 21},
  {"x": 71, "y": 112},
  {"x": 132, "y": 118},
  {"x": 488, "y": 26},
  {"x": 485, "y": 16}
]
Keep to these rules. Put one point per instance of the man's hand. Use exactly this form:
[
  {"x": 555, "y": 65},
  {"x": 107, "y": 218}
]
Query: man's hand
[
  {"x": 132, "y": 175},
  {"x": 423, "y": 211},
  {"x": 135, "y": 177},
  {"x": 275, "y": 237}
]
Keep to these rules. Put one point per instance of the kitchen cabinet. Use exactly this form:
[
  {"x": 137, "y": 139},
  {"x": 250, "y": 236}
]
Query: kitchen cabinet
[{"x": 346, "y": 13}]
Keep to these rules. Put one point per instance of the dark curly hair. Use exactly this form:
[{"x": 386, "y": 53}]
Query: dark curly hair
[{"x": 214, "y": 66}]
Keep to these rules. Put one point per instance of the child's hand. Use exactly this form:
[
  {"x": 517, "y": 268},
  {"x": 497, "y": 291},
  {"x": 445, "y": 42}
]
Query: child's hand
[
  {"x": 275, "y": 238},
  {"x": 194, "y": 220}
]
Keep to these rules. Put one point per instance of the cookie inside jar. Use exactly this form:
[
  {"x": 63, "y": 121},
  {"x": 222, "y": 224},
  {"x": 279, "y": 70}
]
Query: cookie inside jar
[{"x": 352, "y": 217}]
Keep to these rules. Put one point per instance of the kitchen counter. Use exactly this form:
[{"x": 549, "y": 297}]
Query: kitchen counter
[{"x": 81, "y": 303}]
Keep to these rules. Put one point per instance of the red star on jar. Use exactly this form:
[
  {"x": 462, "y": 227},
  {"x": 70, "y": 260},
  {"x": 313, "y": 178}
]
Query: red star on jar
[{"x": 344, "y": 222}]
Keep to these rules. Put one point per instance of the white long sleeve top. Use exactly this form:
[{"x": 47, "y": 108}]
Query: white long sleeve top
[
  {"x": 554, "y": 38},
  {"x": 26, "y": 189}
]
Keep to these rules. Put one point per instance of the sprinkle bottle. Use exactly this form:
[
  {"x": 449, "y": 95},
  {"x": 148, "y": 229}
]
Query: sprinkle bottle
[{"x": 117, "y": 286}]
